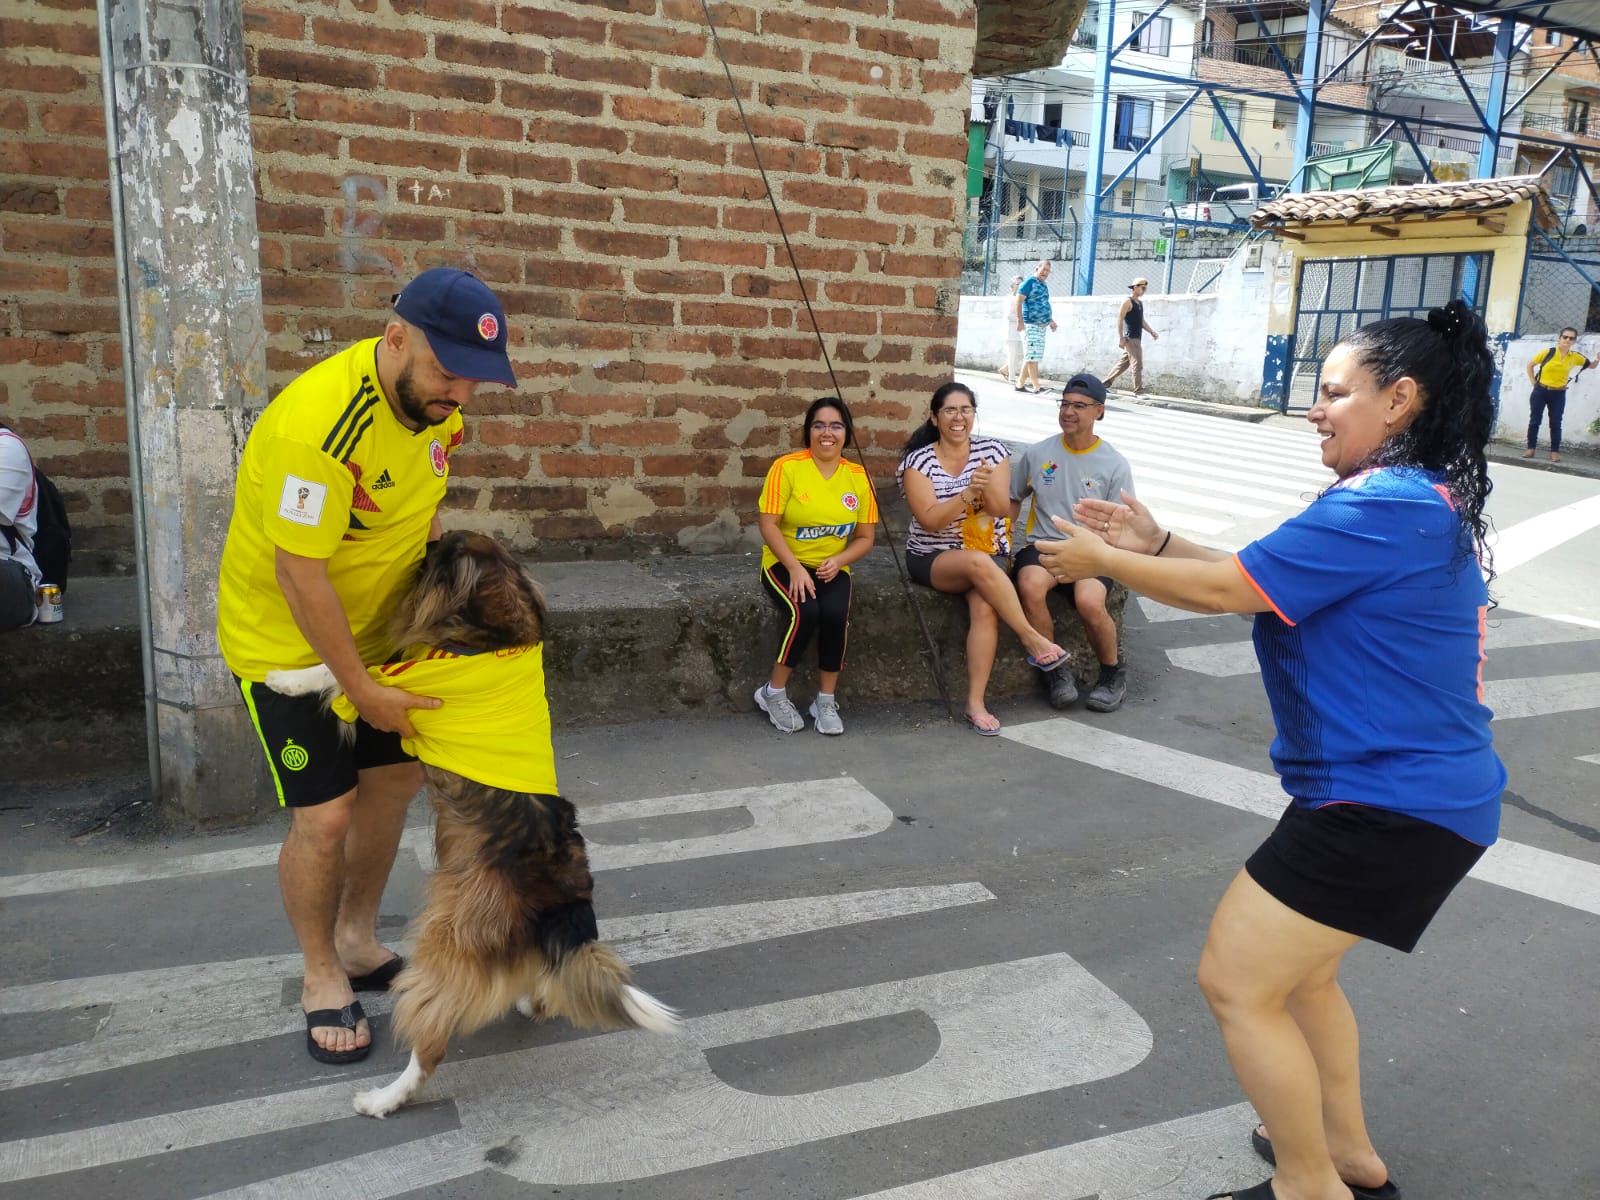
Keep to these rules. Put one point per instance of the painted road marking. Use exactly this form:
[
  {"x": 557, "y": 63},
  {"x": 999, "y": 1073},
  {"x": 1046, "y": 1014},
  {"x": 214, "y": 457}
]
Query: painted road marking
[
  {"x": 1004, "y": 1030},
  {"x": 1223, "y": 659},
  {"x": 1541, "y": 695},
  {"x": 1528, "y": 539},
  {"x": 783, "y": 814},
  {"x": 1542, "y": 874},
  {"x": 165, "y": 1012}
]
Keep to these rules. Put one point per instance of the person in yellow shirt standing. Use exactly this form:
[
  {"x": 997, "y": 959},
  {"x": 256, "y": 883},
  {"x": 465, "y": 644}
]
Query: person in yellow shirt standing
[
  {"x": 1549, "y": 372},
  {"x": 335, "y": 501},
  {"x": 817, "y": 515}
]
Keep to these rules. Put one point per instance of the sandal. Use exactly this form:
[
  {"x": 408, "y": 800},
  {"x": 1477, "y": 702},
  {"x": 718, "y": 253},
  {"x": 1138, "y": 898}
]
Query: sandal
[
  {"x": 1262, "y": 1145},
  {"x": 347, "y": 1017},
  {"x": 378, "y": 980},
  {"x": 1048, "y": 664},
  {"x": 984, "y": 730},
  {"x": 1261, "y": 1191}
]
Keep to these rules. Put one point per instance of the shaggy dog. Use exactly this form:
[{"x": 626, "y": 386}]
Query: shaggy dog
[{"x": 508, "y": 917}]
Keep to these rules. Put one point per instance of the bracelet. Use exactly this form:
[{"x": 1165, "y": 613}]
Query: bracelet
[{"x": 1164, "y": 542}]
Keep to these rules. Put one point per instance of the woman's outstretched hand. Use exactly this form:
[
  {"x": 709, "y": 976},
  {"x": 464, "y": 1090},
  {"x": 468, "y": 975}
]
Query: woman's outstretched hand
[
  {"x": 1126, "y": 526},
  {"x": 1076, "y": 556}
]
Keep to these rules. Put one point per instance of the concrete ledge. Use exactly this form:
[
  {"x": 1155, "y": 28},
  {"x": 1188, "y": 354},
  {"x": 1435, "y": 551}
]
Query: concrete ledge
[{"x": 632, "y": 640}]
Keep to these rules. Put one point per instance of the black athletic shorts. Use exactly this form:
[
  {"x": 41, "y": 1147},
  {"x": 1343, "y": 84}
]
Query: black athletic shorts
[
  {"x": 920, "y": 566},
  {"x": 1367, "y": 871},
  {"x": 309, "y": 760},
  {"x": 1028, "y": 556}
]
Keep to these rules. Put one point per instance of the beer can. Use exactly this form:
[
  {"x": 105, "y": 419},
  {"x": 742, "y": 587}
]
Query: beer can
[{"x": 50, "y": 607}]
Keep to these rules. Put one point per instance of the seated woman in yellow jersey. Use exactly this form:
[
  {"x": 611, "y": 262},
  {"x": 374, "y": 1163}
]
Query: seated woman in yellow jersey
[
  {"x": 817, "y": 516},
  {"x": 959, "y": 489}
]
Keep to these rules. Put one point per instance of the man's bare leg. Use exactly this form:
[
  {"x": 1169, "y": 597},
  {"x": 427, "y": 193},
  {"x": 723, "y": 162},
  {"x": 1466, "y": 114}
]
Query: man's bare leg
[
  {"x": 311, "y": 877},
  {"x": 376, "y": 822}
]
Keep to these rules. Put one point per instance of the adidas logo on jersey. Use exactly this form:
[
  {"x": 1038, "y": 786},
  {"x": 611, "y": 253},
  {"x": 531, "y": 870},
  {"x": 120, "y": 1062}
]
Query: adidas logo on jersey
[{"x": 382, "y": 481}]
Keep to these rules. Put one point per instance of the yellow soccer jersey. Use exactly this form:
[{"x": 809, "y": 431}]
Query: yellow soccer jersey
[
  {"x": 817, "y": 516},
  {"x": 1553, "y": 367},
  {"x": 328, "y": 472},
  {"x": 494, "y": 724}
]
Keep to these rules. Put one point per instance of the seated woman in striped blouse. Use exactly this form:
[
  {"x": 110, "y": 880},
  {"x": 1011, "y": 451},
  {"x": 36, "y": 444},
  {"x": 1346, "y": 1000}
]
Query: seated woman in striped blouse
[{"x": 958, "y": 488}]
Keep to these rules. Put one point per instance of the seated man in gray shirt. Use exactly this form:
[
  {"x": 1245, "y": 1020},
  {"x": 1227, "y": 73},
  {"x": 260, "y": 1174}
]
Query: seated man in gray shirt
[{"x": 1047, "y": 479}]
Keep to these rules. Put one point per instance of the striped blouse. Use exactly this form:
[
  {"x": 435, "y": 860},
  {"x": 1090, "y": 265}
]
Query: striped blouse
[{"x": 970, "y": 531}]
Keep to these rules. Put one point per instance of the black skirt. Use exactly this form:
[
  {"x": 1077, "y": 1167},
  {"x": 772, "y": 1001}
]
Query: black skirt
[{"x": 1366, "y": 871}]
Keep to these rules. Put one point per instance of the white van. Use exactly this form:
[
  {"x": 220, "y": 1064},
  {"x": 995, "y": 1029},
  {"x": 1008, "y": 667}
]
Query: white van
[{"x": 1231, "y": 205}]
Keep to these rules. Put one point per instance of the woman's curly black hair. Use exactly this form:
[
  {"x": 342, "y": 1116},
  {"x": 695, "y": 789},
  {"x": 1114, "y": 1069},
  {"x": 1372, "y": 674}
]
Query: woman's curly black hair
[{"x": 1449, "y": 358}]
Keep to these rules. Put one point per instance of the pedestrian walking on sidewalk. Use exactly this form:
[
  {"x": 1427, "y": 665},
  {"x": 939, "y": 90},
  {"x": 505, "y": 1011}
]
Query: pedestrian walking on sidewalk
[
  {"x": 1550, "y": 372},
  {"x": 1369, "y": 627},
  {"x": 1011, "y": 369},
  {"x": 817, "y": 515},
  {"x": 335, "y": 503},
  {"x": 1035, "y": 318},
  {"x": 1131, "y": 328}
]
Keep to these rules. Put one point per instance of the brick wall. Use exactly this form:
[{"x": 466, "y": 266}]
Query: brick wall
[{"x": 586, "y": 160}]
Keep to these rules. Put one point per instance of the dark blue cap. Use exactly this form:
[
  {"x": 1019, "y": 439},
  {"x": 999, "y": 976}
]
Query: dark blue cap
[
  {"x": 463, "y": 322},
  {"x": 1085, "y": 384}
]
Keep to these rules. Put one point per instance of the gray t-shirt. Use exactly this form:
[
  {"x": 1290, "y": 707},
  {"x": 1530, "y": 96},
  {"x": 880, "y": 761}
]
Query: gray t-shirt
[{"x": 1049, "y": 479}]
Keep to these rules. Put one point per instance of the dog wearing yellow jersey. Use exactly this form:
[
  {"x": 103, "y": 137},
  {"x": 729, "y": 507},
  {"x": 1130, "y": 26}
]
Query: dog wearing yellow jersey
[{"x": 508, "y": 919}]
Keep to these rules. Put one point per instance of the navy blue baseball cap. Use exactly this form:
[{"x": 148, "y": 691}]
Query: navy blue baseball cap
[
  {"x": 463, "y": 322},
  {"x": 1085, "y": 384}
]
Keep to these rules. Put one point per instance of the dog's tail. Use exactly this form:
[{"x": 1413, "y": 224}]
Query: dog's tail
[{"x": 592, "y": 987}]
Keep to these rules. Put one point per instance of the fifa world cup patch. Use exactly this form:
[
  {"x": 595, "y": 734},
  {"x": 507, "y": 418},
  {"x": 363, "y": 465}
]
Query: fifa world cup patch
[{"x": 302, "y": 500}]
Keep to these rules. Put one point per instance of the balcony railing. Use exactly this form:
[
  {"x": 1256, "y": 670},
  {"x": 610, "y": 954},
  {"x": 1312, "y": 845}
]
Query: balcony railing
[
  {"x": 1253, "y": 54},
  {"x": 1131, "y": 141},
  {"x": 1558, "y": 123},
  {"x": 1429, "y": 140}
]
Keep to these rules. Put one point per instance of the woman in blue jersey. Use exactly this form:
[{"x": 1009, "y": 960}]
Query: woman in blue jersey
[
  {"x": 1370, "y": 609},
  {"x": 958, "y": 488}
]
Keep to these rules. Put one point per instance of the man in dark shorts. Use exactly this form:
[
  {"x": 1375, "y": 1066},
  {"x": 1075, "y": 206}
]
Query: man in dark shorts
[
  {"x": 335, "y": 502},
  {"x": 1047, "y": 479}
]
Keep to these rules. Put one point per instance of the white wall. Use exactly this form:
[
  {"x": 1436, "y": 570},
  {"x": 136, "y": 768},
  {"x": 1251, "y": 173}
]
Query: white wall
[
  {"x": 1210, "y": 347},
  {"x": 1583, "y": 396}
]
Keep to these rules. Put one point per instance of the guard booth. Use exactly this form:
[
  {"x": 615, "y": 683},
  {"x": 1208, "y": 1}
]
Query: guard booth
[{"x": 1348, "y": 258}]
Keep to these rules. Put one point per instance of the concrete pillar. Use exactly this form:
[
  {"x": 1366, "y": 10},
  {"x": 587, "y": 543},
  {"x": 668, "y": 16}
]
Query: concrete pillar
[{"x": 194, "y": 359}]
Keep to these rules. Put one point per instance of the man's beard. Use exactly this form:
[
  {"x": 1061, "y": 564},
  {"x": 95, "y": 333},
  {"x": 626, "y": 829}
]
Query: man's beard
[{"x": 412, "y": 406}]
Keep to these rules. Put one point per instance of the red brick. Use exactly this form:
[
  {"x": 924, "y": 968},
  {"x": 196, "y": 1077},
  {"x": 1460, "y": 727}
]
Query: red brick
[
  {"x": 13, "y": 113},
  {"x": 874, "y": 170},
  {"x": 760, "y": 55},
  {"x": 440, "y": 85},
  {"x": 316, "y": 68},
  {"x": 30, "y": 77},
  {"x": 55, "y": 428},
  {"x": 41, "y": 352},
  {"x": 825, "y": 195},
  {"x": 620, "y": 72},
  {"x": 826, "y": 258},
  {"x": 939, "y": 83},
  {"x": 584, "y": 276},
  {"x": 19, "y": 276},
  {"x": 52, "y": 159},
  {"x": 877, "y": 295},
  {"x": 811, "y": 30},
  {"x": 726, "y": 253},
  {"x": 79, "y": 38},
  {"x": 470, "y": 124},
  {"x": 657, "y": 111},
  {"x": 907, "y": 203},
  {"x": 521, "y": 234},
  {"x": 949, "y": 147},
  {"x": 291, "y": 137},
  {"x": 923, "y": 266},
  {"x": 431, "y": 155},
  {"x": 268, "y": 100},
  {"x": 68, "y": 318},
  {"x": 653, "y": 39},
  {"x": 636, "y": 433},
  {"x": 898, "y": 109},
  {"x": 886, "y": 352},
  {"x": 613, "y": 243},
  {"x": 527, "y": 433},
  {"x": 473, "y": 464},
  {"x": 725, "y": 16},
  {"x": 771, "y": 348},
  {"x": 586, "y": 466},
  {"x": 299, "y": 291},
  {"x": 680, "y": 283},
  {"x": 22, "y": 197},
  {"x": 554, "y": 305},
  {"x": 111, "y": 430},
  {"x": 730, "y": 316},
  {"x": 551, "y": 99},
  {"x": 903, "y": 45},
  {"x": 55, "y": 237},
  {"x": 857, "y": 137},
  {"x": 502, "y": 54},
  {"x": 654, "y": 143},
  {"x": 647, "y": 312},
  {"x": 762, "y": 125},
  {"x": 931, "y": 12},
  {"x": 573, "y": 206},
  {"x": 857, "y": 229},
  {"x": 409, "y": 226},
  {"x": 743, "y": 187},
  {"x": 839, "y": 320},
  {"x": 609, "y": 309},
  {"x": 918, "y": 325},
  {"x": 577, "y": 133},
  {"x": 668, "y": 466},
  {"x": 457, "y": 12},
  {"x": 329, "y": 258},
  {"x": 803, "y": 96},
  {"x": 699, "y": 85},
  {"x": 369, "y": 38},
  {"x": 759, "y": 219},
  {"x": 516, "y": 164},
  {"x": 848, "y": 68},
  {"x": 626, "y": 175},
  {"x": 75, "y": 120},
  {"x": 638, "y": 210},
  {"x": 540, "y": 21},
  {"x": 474, "y": 197},
  {"x": 289, "y": 26},
  {"x": 89, "y": 203},
  {"x": 794, "y": 159},
  {"x": 538, "y": 499}
]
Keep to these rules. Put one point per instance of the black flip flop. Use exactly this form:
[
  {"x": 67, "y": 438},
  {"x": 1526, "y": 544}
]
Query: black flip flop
[
  {"x": 1261, "y": 1191},
  {"x": 378, "y": 980},
  {"x": 1389, "y": 1191},
  {"x": 347, "y": 1017}
]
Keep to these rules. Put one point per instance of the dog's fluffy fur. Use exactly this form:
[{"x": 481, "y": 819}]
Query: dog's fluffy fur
[{"x": 508, "y": 919}]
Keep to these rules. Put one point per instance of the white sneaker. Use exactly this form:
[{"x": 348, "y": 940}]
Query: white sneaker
[
  {"x": 785, "y": 716},
  {"x": 826, "y": 714}
]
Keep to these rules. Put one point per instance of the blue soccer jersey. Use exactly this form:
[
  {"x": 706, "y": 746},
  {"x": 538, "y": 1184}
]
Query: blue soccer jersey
[{"x": 1372, "y": 654}]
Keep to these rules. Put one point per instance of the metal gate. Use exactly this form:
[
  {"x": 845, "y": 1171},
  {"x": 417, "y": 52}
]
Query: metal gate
[{"x": 1338, "y": 295}]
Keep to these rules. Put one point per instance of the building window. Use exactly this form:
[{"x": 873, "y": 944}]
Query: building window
[
  {"x": 1577, "y": 116},
  {"x": 1052, "y": 205},
  {"x": 1552, "y": 37},
  {"x": 1235, "y": 111},
  {"x": 1284, "y": 113},
  {"x": 1208, "y": 31},
  {"x": 1156, "y": 36},
  {"x": 1052, "y": 115},
  {"x": 1133, "y": 123},
  {"x": 1334, "y": 50}
]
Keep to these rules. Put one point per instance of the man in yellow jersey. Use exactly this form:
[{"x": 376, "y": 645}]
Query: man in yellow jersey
[
  {"x": 1549, "y": 371},
  {"x": 336, "y": 499},
  {"x": 1047, "y": 479}
]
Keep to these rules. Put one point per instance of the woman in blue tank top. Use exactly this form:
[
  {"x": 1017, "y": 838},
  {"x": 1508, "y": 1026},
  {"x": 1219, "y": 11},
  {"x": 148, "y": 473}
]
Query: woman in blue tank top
[{"x": 1370, "y": 613}]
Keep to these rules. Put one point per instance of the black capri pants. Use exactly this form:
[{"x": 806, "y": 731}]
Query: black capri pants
[{"x": 826, "y": 616}]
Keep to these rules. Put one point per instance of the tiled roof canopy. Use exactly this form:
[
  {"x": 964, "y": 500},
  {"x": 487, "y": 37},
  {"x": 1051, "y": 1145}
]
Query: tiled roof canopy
[
  {"x": 1391, "y": 203},
  {"x": 1023, "y": 35}
]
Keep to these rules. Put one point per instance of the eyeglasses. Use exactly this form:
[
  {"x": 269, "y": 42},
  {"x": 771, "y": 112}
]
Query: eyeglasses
[
  {"x": 828, "y": 426},
  {"x": 1569, "y": 337},
  {"x": 957, "y": 412},
  {"x": 1078, "y": 405}
]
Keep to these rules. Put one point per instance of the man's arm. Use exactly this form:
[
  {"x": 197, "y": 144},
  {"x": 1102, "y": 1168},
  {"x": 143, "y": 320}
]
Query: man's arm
[
  {"x": 1122, "y": 320},
  {"x": 1151, "y": 329},
  {"x": 320, "y": 615}
]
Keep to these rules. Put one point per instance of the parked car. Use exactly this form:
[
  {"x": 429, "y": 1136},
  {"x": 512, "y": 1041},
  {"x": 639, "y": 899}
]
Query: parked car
[{"x": 1231, "y": 205}]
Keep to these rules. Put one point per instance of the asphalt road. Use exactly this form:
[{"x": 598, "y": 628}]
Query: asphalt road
[{"x": 914, "y": 963}]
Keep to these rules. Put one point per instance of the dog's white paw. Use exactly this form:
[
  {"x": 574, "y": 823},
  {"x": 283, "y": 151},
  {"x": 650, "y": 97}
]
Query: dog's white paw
[{"x": 375, "y": 1103}]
